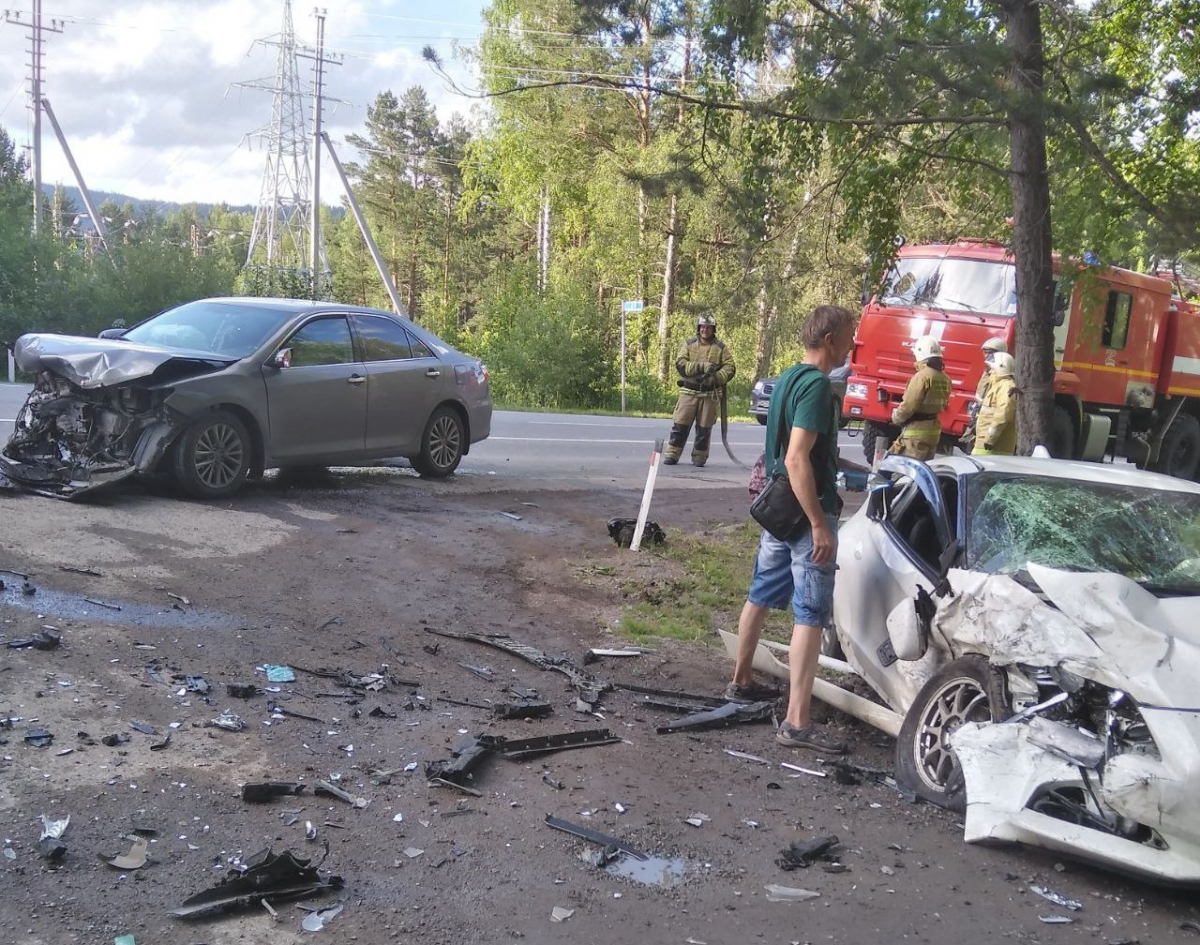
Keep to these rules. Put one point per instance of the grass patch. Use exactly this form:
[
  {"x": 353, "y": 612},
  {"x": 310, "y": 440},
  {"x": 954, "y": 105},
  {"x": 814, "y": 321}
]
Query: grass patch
[{"x": 695, "y": 583}]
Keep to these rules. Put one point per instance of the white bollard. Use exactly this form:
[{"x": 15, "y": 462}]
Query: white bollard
[{"x": 655, "y": 462}]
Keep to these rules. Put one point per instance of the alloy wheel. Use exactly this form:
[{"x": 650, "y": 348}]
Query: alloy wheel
[
  {"x": 959, "y": 701},
  {"x": 445, "y": 441},
  {"x": 219, "y": 455}
]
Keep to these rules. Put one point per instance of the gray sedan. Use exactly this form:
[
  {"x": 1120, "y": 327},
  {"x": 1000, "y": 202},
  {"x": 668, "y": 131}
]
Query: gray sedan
[{"x": 218, "y": 390}]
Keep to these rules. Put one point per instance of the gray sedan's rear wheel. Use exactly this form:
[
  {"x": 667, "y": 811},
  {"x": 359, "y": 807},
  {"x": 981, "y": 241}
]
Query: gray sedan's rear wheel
[
  {"x": 442, "y": 444},
  {"x": 962, "y": 691},
  {"x": 212, "y": 457}
]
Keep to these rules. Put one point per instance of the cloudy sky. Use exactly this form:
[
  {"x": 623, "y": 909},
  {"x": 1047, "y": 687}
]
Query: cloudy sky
[{"x": 144, "y": 89}]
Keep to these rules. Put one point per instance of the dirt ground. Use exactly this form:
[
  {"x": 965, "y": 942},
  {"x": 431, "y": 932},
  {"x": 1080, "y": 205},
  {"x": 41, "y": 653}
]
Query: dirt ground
[{"x": 346, "y": 574}]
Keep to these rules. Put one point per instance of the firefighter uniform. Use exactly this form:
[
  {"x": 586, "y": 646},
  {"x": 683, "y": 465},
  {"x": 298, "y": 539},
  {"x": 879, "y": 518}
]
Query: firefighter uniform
[
  {"x": 705, "y": 367},
  {"x": 926, "y": 396},
  {"x": 996, "y": 425}
]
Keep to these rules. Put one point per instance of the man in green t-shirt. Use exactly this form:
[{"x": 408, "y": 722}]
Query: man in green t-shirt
[{"x": 800, "y": 572}]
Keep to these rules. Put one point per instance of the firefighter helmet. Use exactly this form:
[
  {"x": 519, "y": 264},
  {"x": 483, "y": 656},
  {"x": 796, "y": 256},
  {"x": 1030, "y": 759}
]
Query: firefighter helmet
[
  {"x": 1002, "y": 364},
  {"x": 706, "y": 321},
  {"x": 995, "y": 343},
  {"x": 926, "y": 347}
]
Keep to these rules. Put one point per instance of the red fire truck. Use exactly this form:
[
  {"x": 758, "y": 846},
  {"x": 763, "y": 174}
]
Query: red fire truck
[{"x": 1126, "y": 350}]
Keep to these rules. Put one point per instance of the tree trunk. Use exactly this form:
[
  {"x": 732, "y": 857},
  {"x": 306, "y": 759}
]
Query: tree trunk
[
  {"x": 668, "y": 296},
  {"x": 1031, "y": 226},
  {"x": 768, "y": 313}
]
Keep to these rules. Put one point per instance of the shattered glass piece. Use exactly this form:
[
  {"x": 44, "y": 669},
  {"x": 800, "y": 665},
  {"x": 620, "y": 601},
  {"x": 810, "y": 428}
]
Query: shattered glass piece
[
  {"x": 319, "y": 918},
  {"x": 279, "y": 673},
  {"x": 788, "y": 894},
  {"x": 561, "y": 914}
]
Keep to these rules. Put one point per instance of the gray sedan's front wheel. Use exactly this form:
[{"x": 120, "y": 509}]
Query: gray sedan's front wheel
[
  {"x": 442, "y": 444},
  {"x": 212, "y": 457}
]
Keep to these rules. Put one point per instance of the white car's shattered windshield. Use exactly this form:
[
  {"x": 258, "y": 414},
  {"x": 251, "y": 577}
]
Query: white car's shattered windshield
[
  {"x": 224, "y": 328},
  {"x": 1149, "y": 536},
  {"x": 963, "y": 285}
]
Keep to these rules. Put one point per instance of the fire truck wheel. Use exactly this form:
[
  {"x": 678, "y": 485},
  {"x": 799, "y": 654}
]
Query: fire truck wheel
[
  {"x": 870, "y": 433},
  {"x": 1179, "y": 455},
  {"x": 1062, "y": 435}
]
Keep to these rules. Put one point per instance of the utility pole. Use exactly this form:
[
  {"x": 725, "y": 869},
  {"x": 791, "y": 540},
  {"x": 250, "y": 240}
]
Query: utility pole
[
  {"x": 36, "y": 29},
  {"x": 316, "y": 253}
]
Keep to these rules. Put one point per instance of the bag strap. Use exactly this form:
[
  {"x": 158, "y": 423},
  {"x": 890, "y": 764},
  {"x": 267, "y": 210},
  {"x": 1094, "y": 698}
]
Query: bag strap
[{"x": 787, "y": 393}]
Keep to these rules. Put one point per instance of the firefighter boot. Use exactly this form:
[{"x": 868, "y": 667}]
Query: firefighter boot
[
  {"x": 675, "y": 444},
  {"x": 700, "y": 446}
]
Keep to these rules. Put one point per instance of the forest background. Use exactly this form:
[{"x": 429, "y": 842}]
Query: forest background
[{"x": 742, "y": 158}]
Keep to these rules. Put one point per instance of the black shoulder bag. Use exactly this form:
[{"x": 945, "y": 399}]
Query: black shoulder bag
[{"x": 777, "y": 509}]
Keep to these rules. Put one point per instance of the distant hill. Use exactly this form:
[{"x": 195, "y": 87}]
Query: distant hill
[{"x": 140, "y": 206}]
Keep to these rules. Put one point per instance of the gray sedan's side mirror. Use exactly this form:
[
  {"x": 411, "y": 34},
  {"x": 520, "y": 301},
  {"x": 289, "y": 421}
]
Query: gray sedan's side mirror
[
  {"x": 281, "y": 358},
  {"x": 111, "y": 333}
]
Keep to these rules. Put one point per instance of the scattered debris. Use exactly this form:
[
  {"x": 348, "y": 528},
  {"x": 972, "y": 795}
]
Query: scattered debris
[
  {"x": 522, "y": 710},
  {"x": 466, "y": 754},
  {"x": 560, "y": 914},
  {"x": 317, "y": 919},
  {"x": 732, "y": 713},
  {"x": 483, "y": 672},
  {"x": 276, "y": 709},
  {"x": 310, "y": 831},
  {"x": 1055, "y": 919},
  {"x": 595, "y": 653},
  {"x": 792, "y": 767},
  {"x": 380, "y": 713},
  {"x": 43, "y": 640},
  {"x": 143, "y": 727},
  {"x": 242, "y": 690},
  {"x": 196, "y": 684},
  {"x": 263, "y": 876},
  {"x": 229, "y": 721},
  {"x": 592, "y": 836},
  {"x": 557, "y": 785},
  {"x": 263, "y": 792},
  {"x": 516, "y": 749},
  {"x": 515, "y": 518},
  {"x": 124, "y": 940},
  {"x": 50, "y": 844},
  {"x": 279, "y": 673},
  {"x": 413, "y": 852},
  {"x": 801, "y": 854},
  {"x": 135, "y": 859},
  {"x": 39, "y": 738},
  {"x": 621, "y": 531},
  {"x": 1057, "y": 898},
  {"x": 746, "y": 757},
  {"x": 179, "y": 597},
  {"x": 325, "y": 789},
  {"x": 112, "y": 741},
  {"x": 789, "y": 894},
  {"x": 88, "y": 571},
  {"x": 697, "y": 820},
  {"x": 100, "y": 603},
  {"x": 159, "y": 746}
]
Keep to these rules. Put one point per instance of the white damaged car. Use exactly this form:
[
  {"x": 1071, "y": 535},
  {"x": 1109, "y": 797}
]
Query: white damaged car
[{"x": 1035, "y": 627}]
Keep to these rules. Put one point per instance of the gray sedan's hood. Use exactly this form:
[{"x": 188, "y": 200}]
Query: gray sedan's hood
[{"x": 100, "y": 362}]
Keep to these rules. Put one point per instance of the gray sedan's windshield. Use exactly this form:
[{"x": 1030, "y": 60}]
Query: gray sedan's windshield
[
  {"x": 224, "y": 328},
  {"x": 964, "y": 285},
  {"x": 1148, "y": 535}
]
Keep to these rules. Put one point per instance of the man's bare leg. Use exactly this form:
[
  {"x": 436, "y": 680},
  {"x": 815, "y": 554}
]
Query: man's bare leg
[
  {"x": 750, "y": 624},
  {"x": 803, "y": 656}
]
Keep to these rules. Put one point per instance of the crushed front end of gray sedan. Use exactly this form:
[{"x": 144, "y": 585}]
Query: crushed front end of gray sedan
[{"x": 97, "y": 413}]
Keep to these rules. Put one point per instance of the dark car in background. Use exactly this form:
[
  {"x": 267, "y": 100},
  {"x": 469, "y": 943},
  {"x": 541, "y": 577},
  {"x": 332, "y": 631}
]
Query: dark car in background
[
  {"x": 760, "y": 395},
  {"x": 215, "y": 391}
]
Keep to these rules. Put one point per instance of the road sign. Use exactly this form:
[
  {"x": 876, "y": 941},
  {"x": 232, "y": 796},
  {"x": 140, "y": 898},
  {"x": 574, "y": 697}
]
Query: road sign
[{"x": 632, "y": 305}]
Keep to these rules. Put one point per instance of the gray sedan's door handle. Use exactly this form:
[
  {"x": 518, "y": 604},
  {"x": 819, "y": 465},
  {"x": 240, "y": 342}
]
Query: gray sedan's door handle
[
  {"x": 433, "y": 372},
  {"x": 355, "y": 379}
]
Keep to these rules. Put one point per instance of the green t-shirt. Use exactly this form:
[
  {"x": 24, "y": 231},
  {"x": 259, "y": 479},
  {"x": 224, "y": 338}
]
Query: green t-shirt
[{"x": 809, "y": 407}]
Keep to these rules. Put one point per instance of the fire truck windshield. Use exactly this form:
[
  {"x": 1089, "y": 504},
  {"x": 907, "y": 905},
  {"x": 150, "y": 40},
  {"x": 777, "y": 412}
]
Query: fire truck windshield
[{"x": 964, "y": 285}]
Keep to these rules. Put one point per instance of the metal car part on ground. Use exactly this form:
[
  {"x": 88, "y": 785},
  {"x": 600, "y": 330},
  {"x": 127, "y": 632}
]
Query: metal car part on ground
[
  {"x": 215, "y": 391},
  {"x": 1030, "y": 623}
]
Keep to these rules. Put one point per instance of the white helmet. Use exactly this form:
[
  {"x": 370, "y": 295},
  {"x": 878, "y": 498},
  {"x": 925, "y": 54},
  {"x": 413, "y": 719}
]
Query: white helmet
[
  {"x": 1002, "y": 364},
  {"x": 995, "y": 343},
  {"x": 926, "y": 347}
]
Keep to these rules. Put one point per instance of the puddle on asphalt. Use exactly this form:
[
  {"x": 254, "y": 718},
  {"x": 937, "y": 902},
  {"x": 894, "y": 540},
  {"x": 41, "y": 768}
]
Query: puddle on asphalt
[
  {"x": 652, "y": 871},
  {"x": 61, "y": 606}
]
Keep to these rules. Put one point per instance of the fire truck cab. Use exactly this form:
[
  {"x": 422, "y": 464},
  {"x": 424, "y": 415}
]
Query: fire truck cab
[{"x": 1126, "y": 352}]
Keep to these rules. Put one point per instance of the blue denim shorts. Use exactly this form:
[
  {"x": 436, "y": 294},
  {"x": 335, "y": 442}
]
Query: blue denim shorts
[{"x": 784, "y": 573}]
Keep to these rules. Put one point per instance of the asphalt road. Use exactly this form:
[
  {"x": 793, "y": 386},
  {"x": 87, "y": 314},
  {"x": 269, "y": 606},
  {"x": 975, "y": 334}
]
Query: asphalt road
[{"x": 573, "y": 450}]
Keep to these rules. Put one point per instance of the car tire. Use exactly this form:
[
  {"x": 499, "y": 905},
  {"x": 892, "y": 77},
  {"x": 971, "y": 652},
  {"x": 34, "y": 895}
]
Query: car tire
[
  {"x": 1062, "y": 434},
  {"x": 441, "y": 444},
  {"x": 870, "y": 433},
  {"x": 762, "y": 421},
  {"x": 1179, "y": 455},
  {"x": 964, "y": 690},
  {"x": 212, "y": 457}
]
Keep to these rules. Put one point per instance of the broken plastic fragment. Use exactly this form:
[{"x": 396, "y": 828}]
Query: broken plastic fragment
[
  {"x": 124, "y": 940},
  {"x": 279, "y": 673},
  {"x": 264, "y": 875},
  {"x": 135, "y": 859},
  {"x": 319, "y": 918},
  {"x": 39, "y": 738},
  {"x": 1057, "y": 898},
  {"x": 559, "y": 914},
  {"x": 789, "y": 894},
  {"x": 413, "y": 852},
  {"x": 54, "y": 828},
  {"x": 229, "y": 721},
  {"x": 1055, "y": 919}
]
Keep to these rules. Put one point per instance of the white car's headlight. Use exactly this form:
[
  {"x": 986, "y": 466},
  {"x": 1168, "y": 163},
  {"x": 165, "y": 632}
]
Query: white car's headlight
[{"x": 856, "y": 390}]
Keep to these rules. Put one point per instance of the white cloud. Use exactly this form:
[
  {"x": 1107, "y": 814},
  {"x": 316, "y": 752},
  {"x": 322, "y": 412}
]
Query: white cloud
[{"x": 145, "y": 91}]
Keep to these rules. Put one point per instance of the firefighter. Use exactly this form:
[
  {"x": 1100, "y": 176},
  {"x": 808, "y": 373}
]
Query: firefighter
[
  {"x": 705, "y": 366},
  {"x": 925, "y": 397},
  {"x": 996, "y": 426},
  {"x": 989, "y": 347}
]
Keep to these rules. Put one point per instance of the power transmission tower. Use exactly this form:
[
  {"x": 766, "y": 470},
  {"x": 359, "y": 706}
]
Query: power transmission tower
[
  {"x": 278, "y": 238},
  {"x": 320, "y": 273},
  {"x": 36, "y": 28}
]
